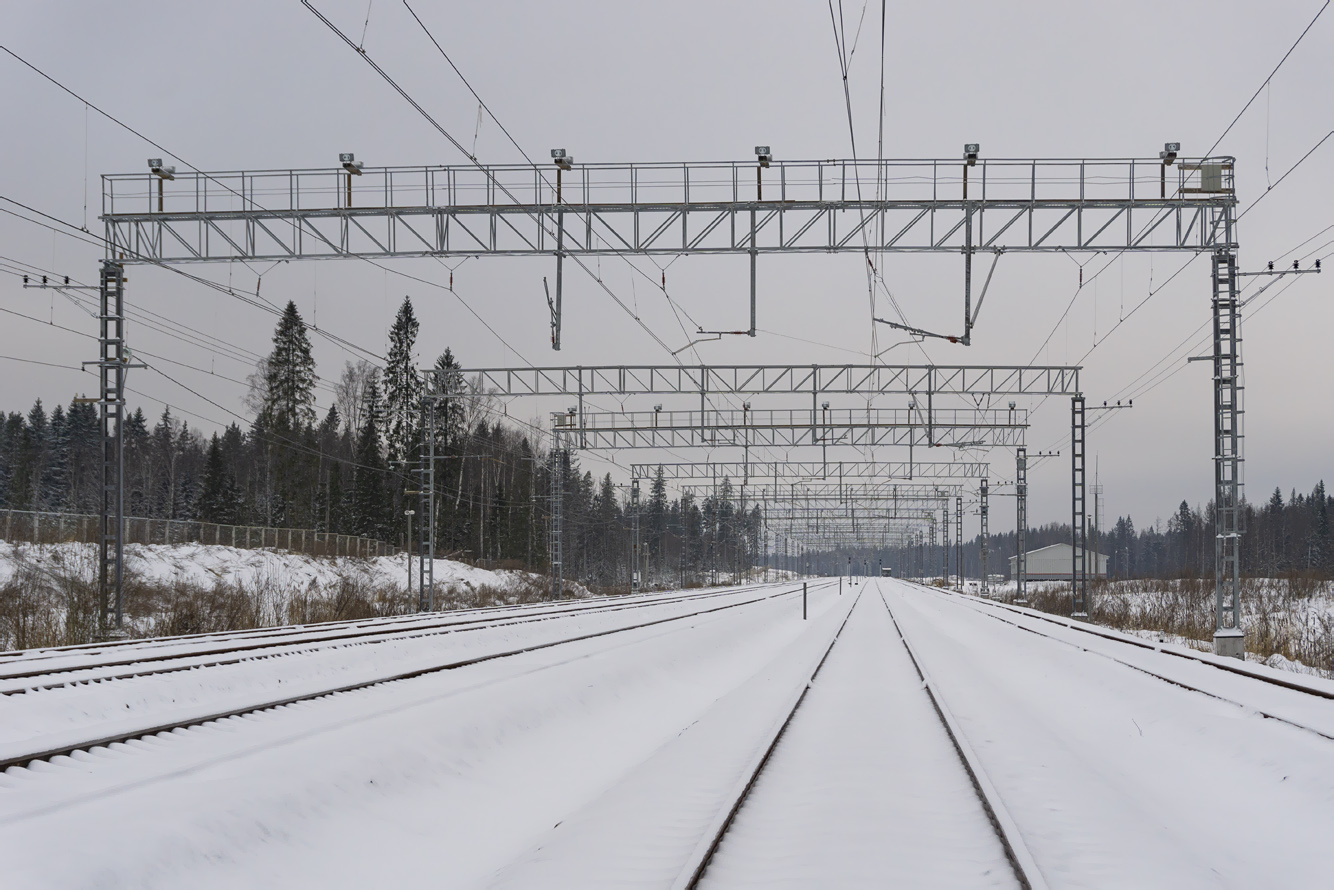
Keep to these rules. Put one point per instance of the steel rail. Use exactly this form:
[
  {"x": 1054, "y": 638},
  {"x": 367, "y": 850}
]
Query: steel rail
[
  {"x": 258, "y": 632},
  {"x": 1021, "y": 860},
  {"x": 1221, "y": 664},
  {"x": 24, "y": 760},
  {"x": 1166, "y": 679},
  {"x": 307, "y": 644},
  {"x": 698, "y": 863}
]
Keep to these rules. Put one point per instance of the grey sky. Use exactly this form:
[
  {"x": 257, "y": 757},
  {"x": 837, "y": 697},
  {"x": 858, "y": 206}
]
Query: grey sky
[{"x": 246, "y": 85}]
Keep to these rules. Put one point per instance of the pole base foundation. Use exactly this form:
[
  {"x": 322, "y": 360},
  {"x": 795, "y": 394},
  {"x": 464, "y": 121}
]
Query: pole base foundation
[
  {"x": 1230, "y": 643},
  {"x": 1080, "y": 616}
]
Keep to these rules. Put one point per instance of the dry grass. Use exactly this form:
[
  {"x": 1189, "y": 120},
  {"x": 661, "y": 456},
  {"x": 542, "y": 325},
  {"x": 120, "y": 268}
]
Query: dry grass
[
  {"x": 52, "y": 601},
  {"x": 1292, "y": 616}
]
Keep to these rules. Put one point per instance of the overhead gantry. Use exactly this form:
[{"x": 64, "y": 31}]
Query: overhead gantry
[{"x": 960, "y": 206}]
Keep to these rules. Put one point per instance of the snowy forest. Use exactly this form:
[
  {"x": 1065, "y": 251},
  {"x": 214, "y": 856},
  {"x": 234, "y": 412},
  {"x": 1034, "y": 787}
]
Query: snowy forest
[{"x": 350, "y": 469}]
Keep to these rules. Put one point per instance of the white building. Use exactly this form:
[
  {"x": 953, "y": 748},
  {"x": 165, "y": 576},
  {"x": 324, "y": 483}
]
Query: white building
[{"x": 1054, "y": 563}]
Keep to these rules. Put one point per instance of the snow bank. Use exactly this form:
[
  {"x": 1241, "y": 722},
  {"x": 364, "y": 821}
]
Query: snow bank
[{"x": 207, "y": 565}]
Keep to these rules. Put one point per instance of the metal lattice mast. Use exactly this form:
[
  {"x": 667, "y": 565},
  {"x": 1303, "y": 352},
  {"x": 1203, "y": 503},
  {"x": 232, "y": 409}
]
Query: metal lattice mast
[
  {"x": 111, "y": 374},
  {"x": 958, "y": 540},
  {"x": 430, "y": 505},
  {"x": 1021, "y": 524},
  {"x": 424, "y": 599},
  {"x": 945, "y": 540},
  {"x": 1078, "y": 513},
  {"x": 555, "y": 543},
  {"x": 931, "y": 553},
  {"x": 982, "y": 512},
  {"x": 634, "y": 535},
  {"x": 1229, "y": 638}
]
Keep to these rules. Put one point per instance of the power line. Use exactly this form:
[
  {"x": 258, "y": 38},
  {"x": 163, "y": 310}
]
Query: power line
[
  {"x": 101, "y": 242},
  {"x": 33, "y": 361},
  {"x": 407, "y": 97},
  {"x": 1264, "y": 84},
  {"x": 1121, "y": 253},
  {"x": 500, "y": 186},
  {"x": 250, "y": 297}
]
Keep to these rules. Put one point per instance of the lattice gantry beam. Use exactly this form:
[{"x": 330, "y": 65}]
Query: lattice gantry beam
[
  {"x": 798, "y": 470},
  {"x": 787, "y": 429},
  {"x": 1026, "y": 205},
  {"x": 834, "y": 492},
  {"x": 813, "y": 380}
]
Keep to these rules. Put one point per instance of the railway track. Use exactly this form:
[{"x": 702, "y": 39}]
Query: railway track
[
  {"x": 55, "y": 652},
  {"x": 1229, "y": 665},
  {"x": 50, "y": 753},
  {"x": 1030, "y": 622},
  {"x": 1016, "y": 852},
  {"x": 174, "y": 655}
]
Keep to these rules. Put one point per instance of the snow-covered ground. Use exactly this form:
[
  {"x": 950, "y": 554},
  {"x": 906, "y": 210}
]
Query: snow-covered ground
[
  {"x": 1289, "y": 624},
  {"x": 606, "y": 762},
  {"x": 206, "y": 565},
  {"x": 1119, "y": 779},
  {"x": 444, "y": 780}
]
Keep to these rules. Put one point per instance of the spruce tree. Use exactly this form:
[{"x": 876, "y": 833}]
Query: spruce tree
[
  {"x": 289, "y": 375},
  {"x": 337, "y": 501},
  {"x": 85, "y": 458},
  {"x": 219, "y": 498},
  {"x": 656, "y": 517},
  {"x": 11, "y": 432},
  {"x": 55, "y": 474},
  {"x": 31, "y": 460},
  {"x": 449, "y": 416},
  {"x": 370, "y": 507},
  {"x": 402, "y": 386}
]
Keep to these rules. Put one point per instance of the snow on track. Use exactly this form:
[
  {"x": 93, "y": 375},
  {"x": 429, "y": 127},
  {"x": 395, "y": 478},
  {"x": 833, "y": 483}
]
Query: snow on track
[
  {"x": 605, "y": 762},
  {"x": 865, "y": 789},
  {"x": 1117, "y": 778},
  {"x": 441, "y": 780},
  {"x": 69, "y": 715},
  {"x": 646, "y": 830}
]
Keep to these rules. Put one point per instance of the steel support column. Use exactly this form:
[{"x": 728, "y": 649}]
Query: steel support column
[
  {"x": 1079, "y": 514},
  {"x": 557, "y": 517},
  {"x": 930, "y": 553},
  {"x": 982, "y": 513},
  {"x": 430, "y": 506},
  {"x": 754, "y": 254},
  {"x": 945, "y": 541},
  {"x": 423, "y": 525},
  {"x": 111, "y": 374},
  {"x": 1021, "y": 525},
  {"x": 634, "y": 535},
  {"x": 1229, "y": 637},
  {"x": 958, "y": 540}
]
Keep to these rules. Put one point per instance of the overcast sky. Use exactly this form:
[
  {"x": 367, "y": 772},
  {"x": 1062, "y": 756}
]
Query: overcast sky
[{"x": 256, "y": 85}]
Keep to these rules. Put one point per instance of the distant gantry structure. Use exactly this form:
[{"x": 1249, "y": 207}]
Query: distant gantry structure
[{"x": 574, "y": 211}]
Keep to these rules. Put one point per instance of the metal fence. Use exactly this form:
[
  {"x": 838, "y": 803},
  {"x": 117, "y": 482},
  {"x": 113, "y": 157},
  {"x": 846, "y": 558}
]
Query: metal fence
[{"x": 54, "y": 528}]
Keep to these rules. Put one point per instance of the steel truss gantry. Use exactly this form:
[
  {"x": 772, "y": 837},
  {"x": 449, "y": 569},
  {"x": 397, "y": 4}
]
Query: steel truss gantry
[
  {"x": 920, "y": 206},
  {"x": 669, "y": 209},
  {"x": 746, "y": 428},
  {"x": 816, "y": 381},
  {"x": 789, "y": 471},
  {"x": 832, "y": 492},
  {"x": 1037, "y": 205},
  {"x": 923, "y": 423}
]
